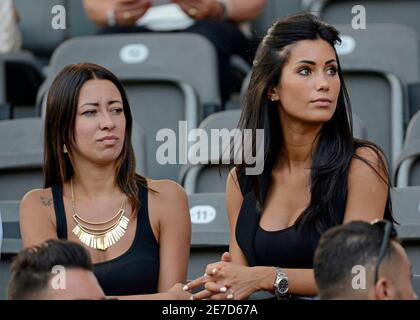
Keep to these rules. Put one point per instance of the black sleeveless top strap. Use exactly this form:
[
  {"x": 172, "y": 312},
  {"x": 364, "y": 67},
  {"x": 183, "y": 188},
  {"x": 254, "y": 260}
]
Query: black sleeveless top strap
[
  {"x": 250, "y": 213},
  {"x": 136, "y": 271},
  {"x": 60, "y": 217}
]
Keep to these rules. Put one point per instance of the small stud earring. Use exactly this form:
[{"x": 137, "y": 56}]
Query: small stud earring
[{"x": 65, "y": 149}]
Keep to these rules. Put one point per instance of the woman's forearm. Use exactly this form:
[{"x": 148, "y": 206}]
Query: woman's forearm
[{"x": 301, "y": 281}]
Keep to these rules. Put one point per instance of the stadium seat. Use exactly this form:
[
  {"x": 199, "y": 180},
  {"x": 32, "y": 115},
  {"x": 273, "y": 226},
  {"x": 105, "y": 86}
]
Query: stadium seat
[
  {"x": 406, "y": 209},
  {"x": 210, "y": 231},
  {"x": 21, "y": 157},
  {"x": 407, "y": 166},
  {"x": 164, "y": 82},
  {"x": 21, "y": 75},
  {"x": 377, "y": 80},
  {"x": 1, "y": 233},
  {"x": 377, "y": 11},
  {"x": 12, "y": 244},
  {"x": 211, "y": 177},
  {"x": 274, "y": 10},
  {"x": 79, "y": 23},
  {"x": 36, "y": 25}
]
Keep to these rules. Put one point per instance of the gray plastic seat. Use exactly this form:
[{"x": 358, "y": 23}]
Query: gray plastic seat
[
  {"x": 403, "y": 12},
  {"x": 406, "y": 209},
  {"x": 274, "y": 10},
  {"x": 1, "y": 232},
  {"x": 377, "y": 80},
  {"x": 210, "y": 231},
  {"x": 78, "y": 22},
  {"x": 24, "y": 68},
  {"x": 38, "y": 35},
  {"x": 21, "y": 157},
  {"x": 12, "y": 244},
  {"x": 211, "y": 177},
  {"x": 407, "y": 166},
  {"x": 160, "y": 77}
]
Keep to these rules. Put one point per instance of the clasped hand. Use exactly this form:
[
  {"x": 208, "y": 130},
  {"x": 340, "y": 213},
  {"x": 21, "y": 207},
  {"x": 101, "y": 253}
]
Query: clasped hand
[{"x": 224, "y": 280}]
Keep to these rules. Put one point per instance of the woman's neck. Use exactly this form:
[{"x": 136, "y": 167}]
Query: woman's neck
[
  {"x": 93, "y": 181},
  {"x": 299, "y": 142}
]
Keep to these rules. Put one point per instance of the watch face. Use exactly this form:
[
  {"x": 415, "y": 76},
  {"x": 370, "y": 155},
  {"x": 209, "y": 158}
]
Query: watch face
[{"x": 283, "y": 286}]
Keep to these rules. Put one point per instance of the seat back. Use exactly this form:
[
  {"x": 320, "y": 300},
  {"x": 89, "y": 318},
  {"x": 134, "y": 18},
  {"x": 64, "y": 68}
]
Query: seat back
[
  {"x": 36, "y": 24},
  {"x": 211, "y": 177},
  {"x": 407, "y": 166},
  {"x": 273, "y": 11},
  {"x": 21, "y": 157},
  {"x": 210, "y": 231},
  {"x": 376, "y": 82},
  {"x": 404, "y": 12},
  {"x": 12, "y": 244},
  {"x": 79, "y": 23},
  {"x": 406, "y": 209}
]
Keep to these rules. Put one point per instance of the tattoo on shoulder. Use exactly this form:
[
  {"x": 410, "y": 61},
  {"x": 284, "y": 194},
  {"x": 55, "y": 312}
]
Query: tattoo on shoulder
[{"x": 46, "y": 201}]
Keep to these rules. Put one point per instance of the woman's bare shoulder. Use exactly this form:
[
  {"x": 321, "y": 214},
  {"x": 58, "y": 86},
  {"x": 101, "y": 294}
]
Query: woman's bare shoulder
[
  {"x": 167, "y": 196},
  {"x": 39, "y": 200},
  {"x": 166, "y": 189}
]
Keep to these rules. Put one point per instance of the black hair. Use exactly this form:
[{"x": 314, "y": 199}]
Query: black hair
[
  {"x": 336, "y": 146},
  {"x": 340, "y": 249}
]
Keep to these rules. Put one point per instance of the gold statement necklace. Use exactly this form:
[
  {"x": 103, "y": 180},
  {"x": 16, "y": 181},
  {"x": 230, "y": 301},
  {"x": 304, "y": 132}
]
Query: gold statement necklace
[{"x": 99, "y": 238}]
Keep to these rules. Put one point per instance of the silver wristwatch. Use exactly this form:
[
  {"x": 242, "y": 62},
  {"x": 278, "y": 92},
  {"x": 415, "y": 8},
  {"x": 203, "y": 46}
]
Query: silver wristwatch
[{"x": 281, "y": 284}]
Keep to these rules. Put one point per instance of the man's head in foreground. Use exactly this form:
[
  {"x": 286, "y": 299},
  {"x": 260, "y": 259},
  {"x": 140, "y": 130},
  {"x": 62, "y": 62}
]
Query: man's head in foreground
[
  {"x": 55, "y": 270},
  {"x": 364, "y": 261}
]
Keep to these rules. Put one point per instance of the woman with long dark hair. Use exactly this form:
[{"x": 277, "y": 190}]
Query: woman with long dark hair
[
  {"x": 316, "y": 174},
  {"x": 93, "y": 195}
]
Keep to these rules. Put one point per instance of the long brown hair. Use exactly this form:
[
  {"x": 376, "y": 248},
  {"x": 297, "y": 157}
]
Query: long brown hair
[{"x": 60, "y": 119}]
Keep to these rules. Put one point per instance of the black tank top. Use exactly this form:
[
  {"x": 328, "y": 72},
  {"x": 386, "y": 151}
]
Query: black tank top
[
  {"x": 134, "y": 272},
  {"x": 286, "y": 248}
]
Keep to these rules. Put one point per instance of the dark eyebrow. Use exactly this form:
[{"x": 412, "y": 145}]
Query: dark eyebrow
[
  {"x": 313, "y": 63},
  {"x": 115, "y": 101},
  {"x": 96, "y": 104}
]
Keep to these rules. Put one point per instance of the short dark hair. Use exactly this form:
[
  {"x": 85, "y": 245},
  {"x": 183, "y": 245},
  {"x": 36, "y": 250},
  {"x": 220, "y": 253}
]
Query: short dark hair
[
  {"x": 340, "y": 249},
  {"x": 31, "y": 268}
]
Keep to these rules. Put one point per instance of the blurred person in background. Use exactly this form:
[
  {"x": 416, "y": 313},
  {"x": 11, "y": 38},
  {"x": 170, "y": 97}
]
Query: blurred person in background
[
  {"x": 10, "y": 37},
  {"x": 223, "y": 22}
]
